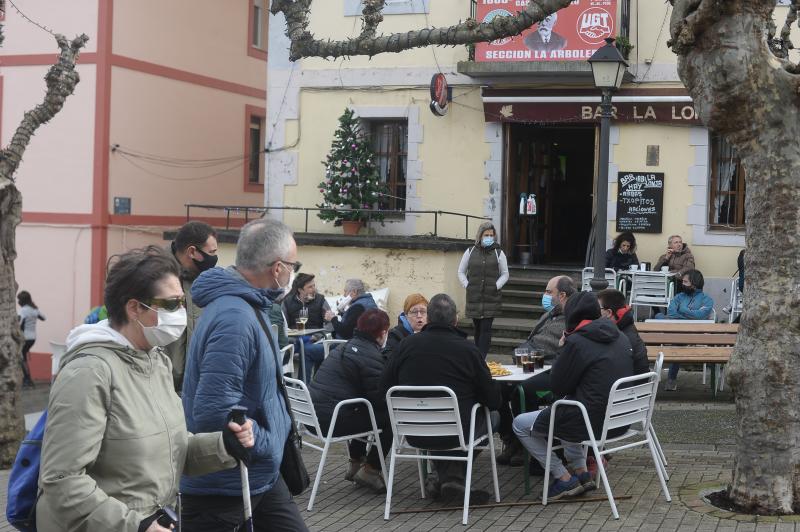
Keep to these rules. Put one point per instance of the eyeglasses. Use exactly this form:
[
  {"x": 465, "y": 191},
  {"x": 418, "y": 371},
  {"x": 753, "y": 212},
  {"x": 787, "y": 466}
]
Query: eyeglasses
[
  {"x": 419, "y": 312},
  {"x": 295, "y": 265},
  {"x": 170, "y": 305}
]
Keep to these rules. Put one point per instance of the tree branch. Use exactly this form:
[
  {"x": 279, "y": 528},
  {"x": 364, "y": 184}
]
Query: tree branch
[
  {"x": 61, "y": 80},
  {"x": 304, "y": 44}
]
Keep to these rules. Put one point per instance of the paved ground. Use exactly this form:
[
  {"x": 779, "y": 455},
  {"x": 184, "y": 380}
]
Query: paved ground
[{"x": 695, "y": 432}]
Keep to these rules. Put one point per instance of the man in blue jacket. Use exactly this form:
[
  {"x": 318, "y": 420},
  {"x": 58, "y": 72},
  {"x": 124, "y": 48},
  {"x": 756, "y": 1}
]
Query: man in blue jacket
[
  {"x": 690, "y": 304},
  {"x": 232, "y": 362}
]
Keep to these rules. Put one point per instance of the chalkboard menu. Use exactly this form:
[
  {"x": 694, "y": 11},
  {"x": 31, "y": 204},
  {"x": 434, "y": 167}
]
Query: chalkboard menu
[{"x": 640, "y": 202}]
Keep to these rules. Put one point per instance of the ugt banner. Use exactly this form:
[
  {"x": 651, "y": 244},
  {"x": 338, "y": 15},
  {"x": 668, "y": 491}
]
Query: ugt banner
[{"x": 571, "y": 34}]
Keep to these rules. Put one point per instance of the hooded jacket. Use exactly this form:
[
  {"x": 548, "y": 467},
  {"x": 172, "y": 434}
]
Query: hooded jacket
[
  {"x": 231, "y": 362},
  {"x": 593, "y": 357},
  {"x": 115, "y": 443},
  {"x": 353, "y": 370},
  {"x": 681, "y": 261},
  {"x": 626, "y": 325}
]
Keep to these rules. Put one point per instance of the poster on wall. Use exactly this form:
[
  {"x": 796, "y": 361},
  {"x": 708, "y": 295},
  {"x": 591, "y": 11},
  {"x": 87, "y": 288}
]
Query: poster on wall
[
  {"x": 570, "y": 34},
  {"x": 640, "y": 201}
]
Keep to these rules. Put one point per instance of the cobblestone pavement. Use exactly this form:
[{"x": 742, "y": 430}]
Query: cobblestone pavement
[{"x": 696, "y": 434}]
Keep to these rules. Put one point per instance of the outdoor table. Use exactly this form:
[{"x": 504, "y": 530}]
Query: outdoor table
[
  {"x": 517, "y": 376},
  {"x": 294, "y": 333}
]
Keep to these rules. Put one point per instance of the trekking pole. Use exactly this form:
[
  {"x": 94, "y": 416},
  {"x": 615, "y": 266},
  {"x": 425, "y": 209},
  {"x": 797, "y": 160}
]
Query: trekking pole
[{"x": 238, "y": 416}]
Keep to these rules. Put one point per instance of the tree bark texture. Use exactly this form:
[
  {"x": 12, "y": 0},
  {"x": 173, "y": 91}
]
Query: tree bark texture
[
  {"x": 743, "y": 91},
  {"x": 305, "y": 44},
  {"x": 61, "y": 80}
]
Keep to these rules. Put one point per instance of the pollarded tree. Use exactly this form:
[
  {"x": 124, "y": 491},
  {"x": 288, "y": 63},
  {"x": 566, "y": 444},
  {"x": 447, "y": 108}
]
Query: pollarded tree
[
  {"x": 60, "y": 80},
  {"x": 743, "y": 87}
]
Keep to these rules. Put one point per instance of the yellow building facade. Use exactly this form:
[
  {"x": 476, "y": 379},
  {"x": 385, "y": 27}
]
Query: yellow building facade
[{"x": 512, "y": 127}]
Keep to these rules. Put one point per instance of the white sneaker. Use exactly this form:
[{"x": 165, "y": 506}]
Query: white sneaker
[{"x": 671, "y": 386}]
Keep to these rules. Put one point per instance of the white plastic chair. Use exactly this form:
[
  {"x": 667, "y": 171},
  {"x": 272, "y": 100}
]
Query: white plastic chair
[
  {"x": 288, "y": 367},
  {"x": 326, "y": 345},
  {"x": 588, "y": 273},
  {"x": 432, "y": 411},
  {"x": 650, "y": 289},
  {"x": 658, "y": 368},
  {"x": 306, "y": 417},
  {"x": 734, "y": 307},
  {"x": 626, "y": 406},
  {"x": 58, "y": 351}
]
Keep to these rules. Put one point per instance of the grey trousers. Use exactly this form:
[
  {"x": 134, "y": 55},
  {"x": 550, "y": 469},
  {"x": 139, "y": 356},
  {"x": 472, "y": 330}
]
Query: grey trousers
[{"x": 536, "y": 444}]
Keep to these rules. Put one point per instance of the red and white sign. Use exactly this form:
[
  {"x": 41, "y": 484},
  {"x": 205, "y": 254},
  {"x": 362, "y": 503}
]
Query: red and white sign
[{"x": 571, "y": 34}]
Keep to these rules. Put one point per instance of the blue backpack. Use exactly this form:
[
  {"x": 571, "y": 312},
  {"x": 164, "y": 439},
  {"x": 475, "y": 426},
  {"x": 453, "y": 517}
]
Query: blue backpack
[{"x": 23, "y": 483}]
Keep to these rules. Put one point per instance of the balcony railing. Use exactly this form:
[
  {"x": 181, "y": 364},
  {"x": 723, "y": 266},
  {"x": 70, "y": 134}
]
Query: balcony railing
[{"x": 235, "y": 215}]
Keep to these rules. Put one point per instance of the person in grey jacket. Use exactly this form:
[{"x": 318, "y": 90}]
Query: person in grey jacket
[
  {"x": 483, "y": 271},
  {"x": 115, "y": 442}
]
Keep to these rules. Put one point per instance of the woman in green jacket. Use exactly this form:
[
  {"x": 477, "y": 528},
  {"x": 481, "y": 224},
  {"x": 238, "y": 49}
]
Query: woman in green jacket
[
  {"x": 483, "y": 271},
  {"x": 115, "y": 443}
]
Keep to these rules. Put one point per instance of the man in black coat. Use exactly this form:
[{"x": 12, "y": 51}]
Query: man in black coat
[
  {"x": 594, "y": 356},
  {"x": 441, "y": 355},
  {"x": 614, "y": 307}
]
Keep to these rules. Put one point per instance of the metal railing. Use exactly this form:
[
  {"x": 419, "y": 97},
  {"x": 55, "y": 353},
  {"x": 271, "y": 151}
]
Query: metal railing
[{"x": 252, "y": 213}]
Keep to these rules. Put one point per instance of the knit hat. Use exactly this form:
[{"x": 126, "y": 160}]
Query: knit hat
[
  {"x": 579, "y": 307},
  {"x": 413, "y": 300}
]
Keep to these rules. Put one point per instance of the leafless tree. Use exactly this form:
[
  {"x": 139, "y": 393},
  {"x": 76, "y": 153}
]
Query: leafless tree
[
  {"x": 745, "y": 88},
  {"x": 60, "y": 80}
]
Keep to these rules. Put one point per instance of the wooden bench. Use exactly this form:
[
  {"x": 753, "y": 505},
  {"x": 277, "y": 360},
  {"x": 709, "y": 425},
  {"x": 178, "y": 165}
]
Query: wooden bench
[{"x": 690, "y": 343}]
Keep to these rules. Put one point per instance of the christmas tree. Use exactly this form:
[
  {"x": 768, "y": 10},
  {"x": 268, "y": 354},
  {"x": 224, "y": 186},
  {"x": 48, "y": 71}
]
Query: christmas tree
[{"x": 352, "y": 184}]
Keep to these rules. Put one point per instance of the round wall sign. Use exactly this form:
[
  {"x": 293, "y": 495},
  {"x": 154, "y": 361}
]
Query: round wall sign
[{"x": 439, "y": 94}]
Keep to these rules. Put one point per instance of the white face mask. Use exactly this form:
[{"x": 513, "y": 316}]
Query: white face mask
[
  {"x": 286, "y": 289},
  {"x": 343, "y": 302},
  {"x": 169, "y": 328}
]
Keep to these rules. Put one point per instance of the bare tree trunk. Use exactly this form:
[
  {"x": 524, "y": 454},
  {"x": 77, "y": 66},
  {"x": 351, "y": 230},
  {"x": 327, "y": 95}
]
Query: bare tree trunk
[
  {"x": 11, "y": 420},
  {"x": 61, "y": 80},
  {"x": 741, "y": 90}
]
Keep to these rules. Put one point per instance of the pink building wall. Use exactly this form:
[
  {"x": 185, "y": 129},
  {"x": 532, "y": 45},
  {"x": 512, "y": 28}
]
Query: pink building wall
[{"x": 170, "y": 78}]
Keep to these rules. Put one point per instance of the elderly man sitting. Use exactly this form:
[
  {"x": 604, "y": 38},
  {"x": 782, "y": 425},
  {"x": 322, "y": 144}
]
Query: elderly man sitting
[
  {"x": 356, "y": 300},
  {"x": 544, "y": 338}
]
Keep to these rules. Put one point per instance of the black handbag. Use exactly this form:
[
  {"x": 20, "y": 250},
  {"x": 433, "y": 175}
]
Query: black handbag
[{"x": 293, "y": 469}]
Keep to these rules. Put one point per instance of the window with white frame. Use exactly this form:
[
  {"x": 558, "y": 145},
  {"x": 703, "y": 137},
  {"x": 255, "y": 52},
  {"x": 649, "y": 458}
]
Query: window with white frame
[{"x": 726, "y": 186}]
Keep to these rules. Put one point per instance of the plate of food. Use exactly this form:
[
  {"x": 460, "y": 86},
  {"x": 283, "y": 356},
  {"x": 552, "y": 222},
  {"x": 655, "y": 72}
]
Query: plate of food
[{"x": 497, "y": 369}]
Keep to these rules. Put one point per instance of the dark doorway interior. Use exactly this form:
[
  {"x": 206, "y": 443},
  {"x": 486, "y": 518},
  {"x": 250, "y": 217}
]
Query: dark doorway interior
[{"x": 557, "y": 164}]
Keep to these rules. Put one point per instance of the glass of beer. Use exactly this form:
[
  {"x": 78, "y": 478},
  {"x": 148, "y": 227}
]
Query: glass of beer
[
  {"x": 521, "y": 356},
  {"x": 302, "y": 318}
]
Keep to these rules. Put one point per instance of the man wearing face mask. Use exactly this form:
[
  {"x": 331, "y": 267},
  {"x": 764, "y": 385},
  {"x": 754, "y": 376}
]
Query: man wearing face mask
[
  {"x": 233, "y": 360},
  {"x": 544, "y": 338},
  {"x": 358, "y": 301},
  {"x": 195, "y": 249}
]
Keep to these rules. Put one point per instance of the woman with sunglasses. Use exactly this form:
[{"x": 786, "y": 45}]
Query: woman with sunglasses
[{"x": 116, "y": 443}]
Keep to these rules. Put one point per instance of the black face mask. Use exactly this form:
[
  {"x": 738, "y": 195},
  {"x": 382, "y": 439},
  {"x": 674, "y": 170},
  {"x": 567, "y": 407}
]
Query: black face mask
[{"x": 208, "y": 262}]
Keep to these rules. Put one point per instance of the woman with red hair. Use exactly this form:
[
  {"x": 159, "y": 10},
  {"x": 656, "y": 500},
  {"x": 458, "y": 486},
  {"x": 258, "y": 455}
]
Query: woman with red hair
[{"x": 354, "y": 370}]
